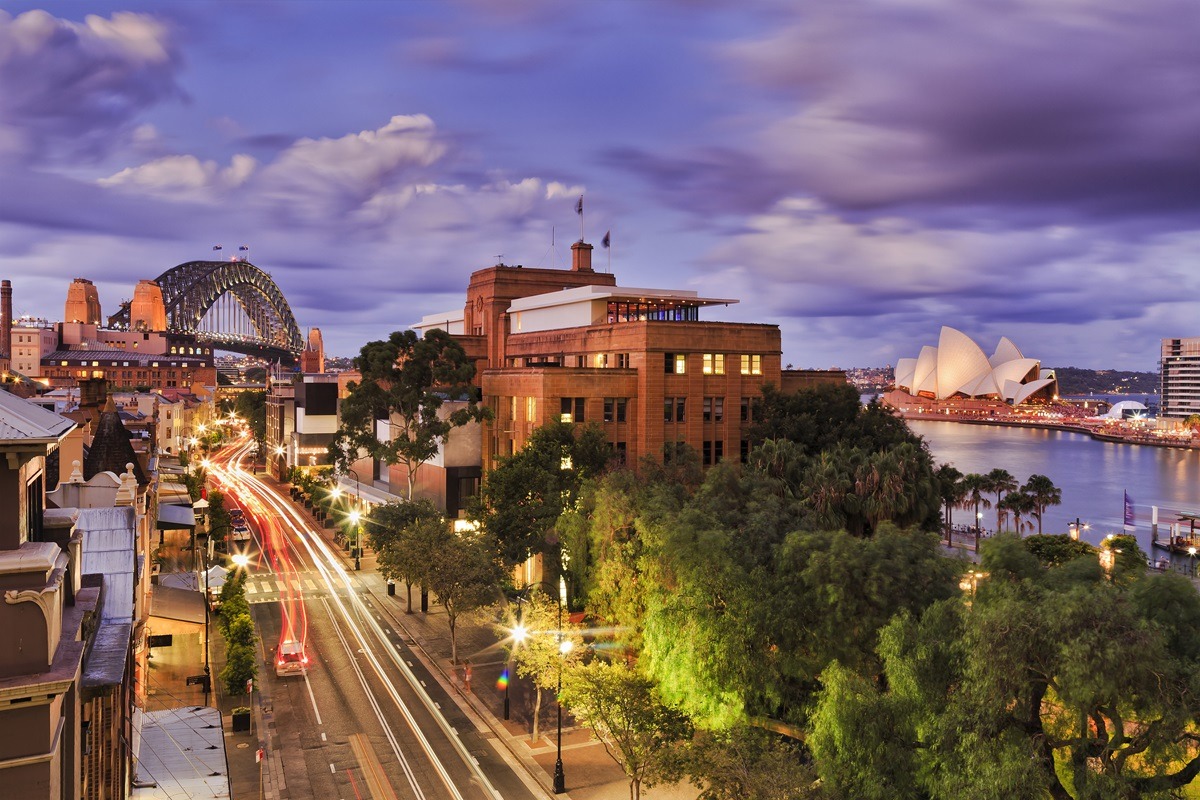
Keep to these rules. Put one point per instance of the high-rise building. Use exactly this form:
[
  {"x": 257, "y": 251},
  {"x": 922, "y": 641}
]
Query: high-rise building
[
  {"x": 1179, "y": 373},
  {"x": 572, "y": 345}
]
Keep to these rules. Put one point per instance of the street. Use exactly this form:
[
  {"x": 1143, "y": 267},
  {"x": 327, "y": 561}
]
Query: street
[{"x": 366, "y": 719}]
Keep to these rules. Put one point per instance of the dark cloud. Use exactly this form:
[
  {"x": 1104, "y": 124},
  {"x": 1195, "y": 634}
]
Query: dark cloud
[{"x": 70, "y": 89}]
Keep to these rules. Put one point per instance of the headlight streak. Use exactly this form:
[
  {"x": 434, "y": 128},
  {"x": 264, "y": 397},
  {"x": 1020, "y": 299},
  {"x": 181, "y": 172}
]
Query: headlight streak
[{"x": 333, "y": 574}]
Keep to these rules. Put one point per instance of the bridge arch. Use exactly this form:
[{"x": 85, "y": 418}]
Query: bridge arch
[{"x": 191, "y": 289}]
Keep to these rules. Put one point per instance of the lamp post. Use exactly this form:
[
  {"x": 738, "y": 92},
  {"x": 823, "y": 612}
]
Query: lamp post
[
  {"x": 978, "y": 527},
  {"x": 207, "y": 671},
  {"x": 564, "y": 647},
  {"x": 356, "y": 521},
  {"x": 1192, "y": 560},
  {"x": 1075, "y": 529}
]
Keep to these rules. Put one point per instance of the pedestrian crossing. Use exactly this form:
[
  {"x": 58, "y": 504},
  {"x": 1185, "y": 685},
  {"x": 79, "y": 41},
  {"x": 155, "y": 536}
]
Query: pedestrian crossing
[{"x": 270, "y": 588}]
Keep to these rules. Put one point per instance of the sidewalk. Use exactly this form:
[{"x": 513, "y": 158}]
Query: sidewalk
[{"x": 590, "y": 773}]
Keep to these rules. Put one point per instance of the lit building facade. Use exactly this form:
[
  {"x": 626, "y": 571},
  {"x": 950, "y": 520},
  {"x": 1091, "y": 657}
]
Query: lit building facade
[
  {"x": 572, "y": 345},
  {"x": 1179, "y": 373}
]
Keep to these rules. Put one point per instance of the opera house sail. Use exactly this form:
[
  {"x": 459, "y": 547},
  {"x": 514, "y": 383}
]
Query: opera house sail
[{"x": 958, "y": 367}]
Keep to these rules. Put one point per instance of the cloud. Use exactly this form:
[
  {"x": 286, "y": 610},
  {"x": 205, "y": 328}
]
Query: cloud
[
  {"x": 899, "y": 279},
  {"x": 1094, "y": 106},
  {"x": 184, "y": 175},
  {"x": 72, "y": 89}
]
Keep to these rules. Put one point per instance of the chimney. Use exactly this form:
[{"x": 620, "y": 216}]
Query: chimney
[
  {"x": 581, "y": 257},
  {"x": 92, "y": 392},
  {"x": 5, "y": 319}
]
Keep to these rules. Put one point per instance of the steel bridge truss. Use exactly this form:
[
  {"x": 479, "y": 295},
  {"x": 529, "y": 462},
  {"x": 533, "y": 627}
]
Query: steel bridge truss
[{"x": 191, "y": 289}]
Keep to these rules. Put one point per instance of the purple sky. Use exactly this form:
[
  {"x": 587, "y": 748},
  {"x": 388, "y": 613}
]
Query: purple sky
[{"x": 858, "y": 172}]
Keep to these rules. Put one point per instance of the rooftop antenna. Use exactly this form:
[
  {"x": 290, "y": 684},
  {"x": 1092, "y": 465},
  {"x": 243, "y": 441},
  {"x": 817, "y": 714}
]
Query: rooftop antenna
[
  {"x": 579, "y": 211},
  {"x": 500, "y": 260}
]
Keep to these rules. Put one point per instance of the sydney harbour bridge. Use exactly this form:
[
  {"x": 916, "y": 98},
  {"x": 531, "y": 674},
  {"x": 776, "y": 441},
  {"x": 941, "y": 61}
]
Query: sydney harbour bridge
[{"x": 229, "y": 305}]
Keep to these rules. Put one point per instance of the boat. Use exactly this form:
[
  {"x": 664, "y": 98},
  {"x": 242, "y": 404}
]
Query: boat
[{"x": 1181, "y": 544}]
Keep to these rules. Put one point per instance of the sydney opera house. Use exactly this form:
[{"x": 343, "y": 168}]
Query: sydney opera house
[{"x": 958, "y": 368}]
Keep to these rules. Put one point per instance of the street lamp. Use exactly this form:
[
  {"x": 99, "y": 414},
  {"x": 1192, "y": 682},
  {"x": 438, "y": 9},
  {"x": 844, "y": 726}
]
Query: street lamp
[
  {"x": 1192, "y": 558},
  {"x": 1075, "y": 529},
  {"x": 564, "y": 647},
  {"x": 356, "y": 520},
  {"x": 207, "y": 602},
  {"x": 519, "y": 633},
  {"x": 978, "y": 526}
]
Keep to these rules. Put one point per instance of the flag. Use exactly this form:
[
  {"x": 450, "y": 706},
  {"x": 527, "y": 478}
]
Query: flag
[
  {"x": 216, "y": 247},
  {"x": 579, "y": 206},
  {"x": 244, "y": 247},
  {"x": 607, "y": 240},
  {"x": 1129, "y": 519}
]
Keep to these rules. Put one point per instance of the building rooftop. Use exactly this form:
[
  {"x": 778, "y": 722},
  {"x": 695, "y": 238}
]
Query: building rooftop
[
  {"x": 616, "y": 293},
  {"x": 105, "y": 664},
  {"x": 114, "y": 358},
  {"x": 181, "y": 755},
  {"x": 24, "y": 421}
]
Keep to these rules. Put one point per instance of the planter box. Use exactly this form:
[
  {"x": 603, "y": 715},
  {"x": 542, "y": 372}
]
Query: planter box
[{"x": 241, "y": 720}]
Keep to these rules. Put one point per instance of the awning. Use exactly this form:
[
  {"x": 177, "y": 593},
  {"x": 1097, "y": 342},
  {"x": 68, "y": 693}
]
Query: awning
[
  {"x": 174, "y": 518},
  {"x": 178, "y": 604},
  {"x": 369, "y": 493}
]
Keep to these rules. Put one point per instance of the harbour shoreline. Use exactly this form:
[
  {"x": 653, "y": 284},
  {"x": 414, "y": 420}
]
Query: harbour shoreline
[{"x": 1115, "y": 436}]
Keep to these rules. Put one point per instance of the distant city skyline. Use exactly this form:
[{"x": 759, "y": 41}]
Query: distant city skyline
[{"x": 859, "y": 173}]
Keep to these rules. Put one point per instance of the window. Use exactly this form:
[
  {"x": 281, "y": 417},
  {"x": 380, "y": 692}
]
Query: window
[
  {"x": 751, "y": 365},
  {"x": 745, "y": 451},
  {"x": 714, "y": 409},
  {"x": 620, "y": 452},
  {"x": 675, "y": 363},
  {"x": 615, "y": 409},
  {"x": 672, "y": 451},
  {"x": 34, "y": 497},
  {"x": 512, "y": 408},
  {"x": 530, "y": 409},
  {"x": 600, "y": 360},
  {"x": 673, "y": 409},
  {"x": 572, "y": 409},
  {"x": 714, "y": 363},
  {"x": 622, "y": 360},
  {"x": 747, "y": 414},
  {"x": 712, "y": 452}
]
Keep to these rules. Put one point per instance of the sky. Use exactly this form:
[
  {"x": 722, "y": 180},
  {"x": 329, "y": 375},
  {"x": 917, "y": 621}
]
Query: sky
[{"x": 858, "y": 172}]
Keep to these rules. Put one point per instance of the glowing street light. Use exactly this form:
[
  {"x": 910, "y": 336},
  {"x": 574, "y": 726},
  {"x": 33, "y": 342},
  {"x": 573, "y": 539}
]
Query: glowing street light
[
  {"x": 356, "y": 519},
  {"x": 240, "y": 560}
]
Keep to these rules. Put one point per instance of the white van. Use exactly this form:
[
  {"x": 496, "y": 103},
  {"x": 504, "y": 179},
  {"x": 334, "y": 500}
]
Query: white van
[{"x": 290, "y": 659}]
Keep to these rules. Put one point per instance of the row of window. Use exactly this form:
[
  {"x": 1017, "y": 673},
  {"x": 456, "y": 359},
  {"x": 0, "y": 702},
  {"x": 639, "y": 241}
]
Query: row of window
[
  {"x": 711, "y": 363},
  {"x": 712, "y": 451},
  {"x": 153, "y": 364},
  {"x": 675, "y": 409}
]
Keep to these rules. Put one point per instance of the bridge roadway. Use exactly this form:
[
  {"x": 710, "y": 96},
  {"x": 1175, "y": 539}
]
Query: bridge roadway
[{"x": 367, "y": 720}]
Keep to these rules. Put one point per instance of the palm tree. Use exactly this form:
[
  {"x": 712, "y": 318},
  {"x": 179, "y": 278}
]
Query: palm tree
[
  {"x": 952, "y": 491},
  {"x": 976, "y": 486},
  {"x": 1018, "y": 503},
  {"x": 1000, "y": 481},
  {"x": 1044, "y": 493}
]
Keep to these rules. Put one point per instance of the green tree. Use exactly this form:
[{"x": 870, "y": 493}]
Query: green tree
[
  {"x": 1055, "y": 550},
  {"x": 952, "y": 490},
  {"x": 1018, "y": 504},
  {"x": 405, "y": 380},
  {"x": 241, "y": 630},
  {"x": 464, "y": 574},
  {"x": 641, "y": 734},
  {"x": 1000, "y": 482},
  {"x": 537, "y": 646},
  {"x": 524, "y": 495},
  {"x": 976, "y": 486},
  {"x": 252, "y": 407},
  {"x": 401, "y": 535},
  {"x": 1044, "y": 494},
  {"x": 747, "y": 763},
  {"x": 241, "y": 665}
]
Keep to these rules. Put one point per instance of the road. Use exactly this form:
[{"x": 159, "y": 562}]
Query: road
[{"x": 366, "y": 720}]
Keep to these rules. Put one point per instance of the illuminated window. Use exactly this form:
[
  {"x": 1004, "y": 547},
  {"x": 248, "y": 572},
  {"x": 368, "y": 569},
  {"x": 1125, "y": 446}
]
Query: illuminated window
[
  {"x": 512, "y": 408},
  {"x": 751, "y": 365},
  {"x": 530, "y": 409},
  {"x": 571, "y": 409},
  {"x": 675, "y": 363},
  {"x": 600, "y": 360},
  {"x": 714, "y": 363}
]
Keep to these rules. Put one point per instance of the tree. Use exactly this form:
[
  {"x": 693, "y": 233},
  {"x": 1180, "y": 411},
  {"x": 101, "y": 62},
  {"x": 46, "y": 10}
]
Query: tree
[
  {"x": 464, "y": 574},
  {"x": 1000, "y": 481},
  {"x": 405, "y": 380},
  {"x": 952, "y": 490},
  {"x": 637, "y": 730},
  {"x": 1055, "y": 550},
  {"x": 537, "y": 650},
  {"x": 1043, "y": 493},
  {"x": 1018, "y": 504},
  {"x": 524, "y": 495},
  {"x": 402, "y": 535},
  {"x": 748, "y": 763},
  {"x": 976, "y": 487},
  {"x": 241, "y": 665}
]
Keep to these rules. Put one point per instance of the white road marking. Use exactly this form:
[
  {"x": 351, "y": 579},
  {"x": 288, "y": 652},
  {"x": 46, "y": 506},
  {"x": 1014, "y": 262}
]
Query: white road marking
[
  {"x": 332, "y": 769},
  {"x": 312, "y": 698},
  {"x": 323, "y": 739}
]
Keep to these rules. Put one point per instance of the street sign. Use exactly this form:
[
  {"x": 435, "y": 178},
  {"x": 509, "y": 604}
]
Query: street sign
[
  {"x": 258, "y": 756},
  {"x": 249, "y": 685}
]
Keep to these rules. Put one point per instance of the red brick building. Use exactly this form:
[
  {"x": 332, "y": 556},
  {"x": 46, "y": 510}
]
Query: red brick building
[{"x": 572, "y": 345}]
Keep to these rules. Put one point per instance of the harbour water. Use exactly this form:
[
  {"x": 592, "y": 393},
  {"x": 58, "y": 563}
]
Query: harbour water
[{"x": 1093, "y": 475}]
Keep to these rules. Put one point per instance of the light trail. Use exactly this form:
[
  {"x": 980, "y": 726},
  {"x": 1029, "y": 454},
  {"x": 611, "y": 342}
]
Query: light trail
[{"x": 334, "y": 575}]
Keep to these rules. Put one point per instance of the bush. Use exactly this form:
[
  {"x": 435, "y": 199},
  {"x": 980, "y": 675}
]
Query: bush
[{"x": 240, "y": 666}]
